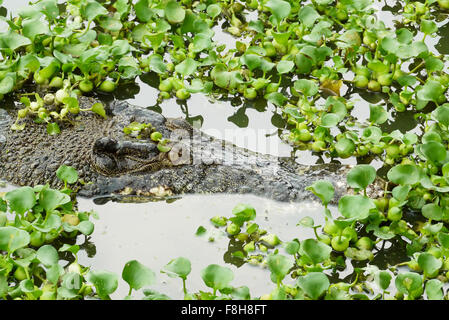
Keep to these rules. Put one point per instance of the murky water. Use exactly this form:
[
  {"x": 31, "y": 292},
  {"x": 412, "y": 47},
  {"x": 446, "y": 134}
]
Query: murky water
[{"x": 156, "y": 232}]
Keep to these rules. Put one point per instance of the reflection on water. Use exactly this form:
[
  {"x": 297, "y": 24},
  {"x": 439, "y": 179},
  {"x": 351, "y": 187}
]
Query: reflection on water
[
  {"x": 443, "y": 44},
  {"x": 154, "y": 233},
  {"x": 232, "y": 118}
]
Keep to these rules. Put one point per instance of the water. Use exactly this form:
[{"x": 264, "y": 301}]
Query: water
[{"x": 156, "y": 232}]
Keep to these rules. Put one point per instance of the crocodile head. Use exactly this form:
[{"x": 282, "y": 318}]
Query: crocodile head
[
  {"x": 116, "y": 153},
  {"x": 96, "y": 147},
  {"x": 109, "y": 161}
]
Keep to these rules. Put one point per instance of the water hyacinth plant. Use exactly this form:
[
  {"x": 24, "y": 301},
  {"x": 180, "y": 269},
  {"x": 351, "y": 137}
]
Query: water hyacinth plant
[{"x": 307, "y": 59}]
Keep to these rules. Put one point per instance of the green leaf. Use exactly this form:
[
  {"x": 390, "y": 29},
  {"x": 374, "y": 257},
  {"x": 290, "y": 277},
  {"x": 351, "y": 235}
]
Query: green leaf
[
  {"x": 357, "y": 5},
  {"x": 105, "y": 282},
  {"x": 361, "y": 176},
  {"x": 143, "y": 11},
  {"x": 51, "y": 199},
  {"x": 12, "y": 40},
  {"x": 34, "y": 27},
  {"x": 432, "y": 211},
  {"x": 201, "y": 42},
  {"x": 359, "y": 254},
  {"x": 251, "y": 60},
  {"x": 7, "y": 85},
  {"x": 154, "y": 295},
  {"x": 314, "y": 284},
  {"x": 174, "y": 12},
  {"x": 137, "y": 275},
  {"x": 187, "y": 67},
  {"x": 383, "y": 279},
  {"x": 377, "y": 114},
  {"x": 330, "y": 120},
  {"x": 67, "y": 174},
  {"x": 70, "y": 285},
  {"x": 200, "y": 231},
  {"x": 306, "y": 222},
  {"x": 179, "y": 267},
  {"x": 54, "y": 272},
  {"x": 276, "y": 98},
  {"x": 217, "y": 277},
  {"x": 53, "y": 222},
  {"x": 93, "y": 10},
  {"x": 279, "y": 266},
  {"x": 111, "y": 24},
  {"x": 409, "y": 283},
  {"x": 157, "y": 64},
  {"x": 372, "y": 134},
  {"x": 431, "y": 91},
  {"x": 345, "y": 147},
  {"x": 21, "y": 199},
  {"x": 308, "y": 15},
  {"x": 401, "y": 192},
  {"x": 323, "y": 190},
  {"x": 434, "y": 151},
  {"x": 284, "y": 66},
  {"x": 316, "y": 250},
  {"x": 434, "y": 64},
  {"x": 85, "y": 227},
  {"x": 47, "y": 255},
  {"x": 378, "y": 66},
  {"x": 434, "y": 289},
  {"x": 122, "y": 7},
  {"x": 404, "y": 174},
  {"x": 98, "y": 108},
  {"x": 292, "y": 247},
  {"x": 355, "y": 207},
  {"x": 243, "y": 212},
  {"x": 429, "y": 264},
  {"x": 407, "y": 80},
  {"x": 26, "y": 285},
  {"x": 428, "y": 26},
  {"x": 256, "y": 26},
  {"x": 213, "y": 10},
  {"x": 404, "y": 36},
  {"x": 49, "y": 8},
  {"x": 279, "y": 10},
  {"x": 12, "y": 238},
  {"x": 53, "y": 128},
  {"x": 240, "y": 293},
  {"x": 71, "y": 248},
  {"x": 307, "y": 87},
  {"x": 441, "y": 114},
  {"x": 303, "y": 63},
  {"x": 443, "y": 239}
]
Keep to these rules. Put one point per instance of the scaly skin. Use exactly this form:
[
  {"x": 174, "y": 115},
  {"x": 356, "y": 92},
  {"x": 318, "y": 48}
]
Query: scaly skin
[{"x": 110, "y": 162}]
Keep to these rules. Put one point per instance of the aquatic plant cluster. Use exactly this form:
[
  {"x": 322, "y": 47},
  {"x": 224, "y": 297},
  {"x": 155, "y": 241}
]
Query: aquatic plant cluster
[{"x": 301, "y": 56}]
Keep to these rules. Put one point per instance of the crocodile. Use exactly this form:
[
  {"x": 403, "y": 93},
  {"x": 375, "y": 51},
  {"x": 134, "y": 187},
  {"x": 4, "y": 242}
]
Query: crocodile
[{"x": 110, "y": 162}]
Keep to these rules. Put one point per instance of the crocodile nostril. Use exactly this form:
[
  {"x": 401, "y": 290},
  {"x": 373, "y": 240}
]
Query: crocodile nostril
[{"x": 106, "y": 144}]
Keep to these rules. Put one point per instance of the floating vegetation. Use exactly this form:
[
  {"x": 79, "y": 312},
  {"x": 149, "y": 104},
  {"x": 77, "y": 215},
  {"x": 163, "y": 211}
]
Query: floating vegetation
[{"x": 304, "y": 57}]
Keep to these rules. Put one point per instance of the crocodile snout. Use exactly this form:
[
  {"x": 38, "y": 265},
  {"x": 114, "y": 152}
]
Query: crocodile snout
[
  {"x": 106, "y": 144},
  {"x": 111, "y": 157},
  {"x": 125, "y": 148}
]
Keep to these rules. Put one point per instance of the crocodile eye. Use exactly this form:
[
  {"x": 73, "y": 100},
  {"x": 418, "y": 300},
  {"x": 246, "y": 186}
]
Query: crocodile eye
[{"x": 106, "y": 144}]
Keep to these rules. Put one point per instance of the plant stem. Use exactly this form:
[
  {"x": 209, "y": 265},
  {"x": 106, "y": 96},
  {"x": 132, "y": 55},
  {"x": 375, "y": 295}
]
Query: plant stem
[{"x": 184, "y": 286}]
